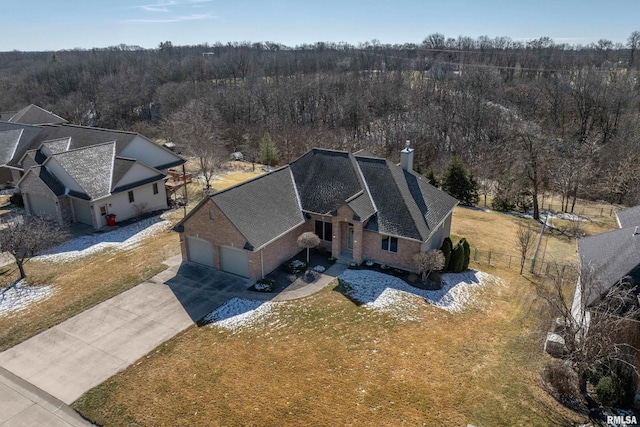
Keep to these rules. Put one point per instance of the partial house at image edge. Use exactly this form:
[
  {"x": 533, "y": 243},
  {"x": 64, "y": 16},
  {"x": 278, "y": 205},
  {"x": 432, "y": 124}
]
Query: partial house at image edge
[
  {"x": 362, "y": 208},
  {"x": 79, "y": 174}
]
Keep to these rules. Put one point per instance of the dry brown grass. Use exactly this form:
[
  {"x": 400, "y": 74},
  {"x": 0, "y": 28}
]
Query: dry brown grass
[
  {"x": 84, "y": 283},
  {"x": 325, "y": 361},
  {"x": 330, "y": 362}
]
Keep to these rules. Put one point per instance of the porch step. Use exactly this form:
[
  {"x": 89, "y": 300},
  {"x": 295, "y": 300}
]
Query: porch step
[{"x": 344, "y": 258}]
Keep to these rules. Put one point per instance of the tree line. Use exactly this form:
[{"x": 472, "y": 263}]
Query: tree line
[{"x": 525, "y": 118}]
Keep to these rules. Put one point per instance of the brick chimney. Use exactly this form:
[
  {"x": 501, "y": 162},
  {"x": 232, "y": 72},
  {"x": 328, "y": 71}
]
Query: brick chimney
[{"x": 406, "y": 157}]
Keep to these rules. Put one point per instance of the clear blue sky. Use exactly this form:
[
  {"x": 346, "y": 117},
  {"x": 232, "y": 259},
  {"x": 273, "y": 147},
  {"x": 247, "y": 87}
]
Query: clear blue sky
[{"x": 53, "y": 25}]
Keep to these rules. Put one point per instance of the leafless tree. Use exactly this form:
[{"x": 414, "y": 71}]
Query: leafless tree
[
  {"x": 596, "y": 328},
  {"x": 308, "y": 240},
  {"x": 197, "y": 127},
  {"x": 429, "y": 261},
  {"x": 24, "y": 236},
  {"x": 524, "y": 241}
]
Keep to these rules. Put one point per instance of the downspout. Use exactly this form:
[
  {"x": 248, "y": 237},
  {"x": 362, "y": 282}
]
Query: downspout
[
  {"x": 261, "y": 265},
  {"x": 186, "y": 199}
]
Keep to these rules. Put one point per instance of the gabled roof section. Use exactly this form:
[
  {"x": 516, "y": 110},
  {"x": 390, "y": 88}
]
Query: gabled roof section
[
  {"x": 264, "y": 208},
  {"x": 407, "y": 205},
  {"x": 325, "y": 180},
  {"x": 120, "y": 167},
  {"x": 8, "y": 144},
  {"x": 24, "y": 140},
  {"x": 90, "y": 167},
  {"x": 628, "y": 217},
  {"x": 34, "y": 115},
  {"x": 50, "y": 181},
  {"x": 145, "y": 174},
  {"x": 57, "y": 145},
  {"x": 614, "y": 255}
]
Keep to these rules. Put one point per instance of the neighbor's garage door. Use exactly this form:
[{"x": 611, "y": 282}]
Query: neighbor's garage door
[
  {"x": 234, "y": 261},
  {"x": 200, "y": 251},
  {"x": 42, "y": 206},
  {"x": 83, "y": 212}
]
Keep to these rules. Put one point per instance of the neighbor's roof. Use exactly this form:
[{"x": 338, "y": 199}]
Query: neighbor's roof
[
  {"x": 394, "y": 201},
  {"x": 34, "y": 115},
  {"x": 262, "y": 209},
  {"x": 106, "y": 168},
  {"x": 628, "y": 217},
  {"x": 614, "y": 255}
]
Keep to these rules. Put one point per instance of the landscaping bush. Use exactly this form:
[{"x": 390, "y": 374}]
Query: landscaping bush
[
  {"x": 563, "y": 379},
  {"x": 446, "y": 248},
  {"x": 467, "y": 253},
  {"x": 398, "y": 273},
  {"x": 331, "y": 260},
  {"x": 354, "y": 266},
  {"x": 265, "y": 285},
  {"x": 615, "y": 386},
  {"x": 457, "y": 259},
  {"x": 294, "y": 266}
]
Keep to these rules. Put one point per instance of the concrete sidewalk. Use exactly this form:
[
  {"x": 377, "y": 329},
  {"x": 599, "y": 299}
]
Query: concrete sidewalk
[{"x": 22, "y": 404}]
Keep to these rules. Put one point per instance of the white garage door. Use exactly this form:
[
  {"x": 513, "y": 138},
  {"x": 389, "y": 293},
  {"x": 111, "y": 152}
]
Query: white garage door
[
  {"x": 42, "y": 206},
  {"x": 83, "y": 212},
  {"x": 234, "y": 261},
  {"x": 200, "y": 251}
]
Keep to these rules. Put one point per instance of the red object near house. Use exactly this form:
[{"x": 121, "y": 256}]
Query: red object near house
[{"x": 111, "y": 220}]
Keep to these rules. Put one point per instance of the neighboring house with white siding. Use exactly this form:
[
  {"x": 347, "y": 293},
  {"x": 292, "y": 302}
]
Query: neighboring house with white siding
[{"x": 82, "y": 174}]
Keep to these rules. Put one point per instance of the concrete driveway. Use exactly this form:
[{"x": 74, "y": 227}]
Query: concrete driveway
[{"x": 80, "y": 353}]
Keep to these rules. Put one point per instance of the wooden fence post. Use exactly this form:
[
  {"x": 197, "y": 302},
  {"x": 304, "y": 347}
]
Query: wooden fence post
[{"x": 489, "y": 261}]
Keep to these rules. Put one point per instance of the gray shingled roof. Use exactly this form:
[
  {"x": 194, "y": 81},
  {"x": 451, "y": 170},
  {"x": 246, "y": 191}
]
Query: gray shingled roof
[
  {"x": 408, "y": 206},
  {"x": 34, "y": 115},
  {"x": 25, "y": 141},
  {"x": 90, "y": 167},
  {"x": 58, "y": 145},
  {"x": 8, "y": 143},
  {"x": 50, "y": 180},
  {"x": 263, "y": 208},
  {"x": 325, "y": 180},
  {"x": 614, "y": 255},
  {"x": 629, "y": 217},
  {"x": 120, "y": 167}
]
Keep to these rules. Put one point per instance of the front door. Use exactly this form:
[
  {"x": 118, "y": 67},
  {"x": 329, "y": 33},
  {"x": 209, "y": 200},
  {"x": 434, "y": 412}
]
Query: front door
[
  {"x": 103, "y": 215},
  {"x": 350, "y": 237}
]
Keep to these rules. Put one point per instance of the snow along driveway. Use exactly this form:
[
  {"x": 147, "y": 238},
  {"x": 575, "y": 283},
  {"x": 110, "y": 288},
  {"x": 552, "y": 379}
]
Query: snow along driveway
[{"x": 122, "y": 238}]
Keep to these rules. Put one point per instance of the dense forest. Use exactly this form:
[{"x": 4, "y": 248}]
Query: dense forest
[{"x": 524, "y": 117}]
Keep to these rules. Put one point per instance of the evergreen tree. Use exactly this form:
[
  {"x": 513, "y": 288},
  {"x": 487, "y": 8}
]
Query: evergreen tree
[
  {"x": 446, "y": 248},
  {"x": 268, "y": 152},
  {"x": 433, "y": 180},
  {"x": 459, "y": 184}
]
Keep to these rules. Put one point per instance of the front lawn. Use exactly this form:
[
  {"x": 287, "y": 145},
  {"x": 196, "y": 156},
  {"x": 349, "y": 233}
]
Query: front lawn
[{"x": 324, "y": 360}]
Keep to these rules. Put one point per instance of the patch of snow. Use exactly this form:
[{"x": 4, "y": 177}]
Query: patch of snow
[
  {"x": 20, "y": 296},
  {"x": 238, "y": 312},
  {"x": 121, "y": 238},
  {"x": 319, "y": 268},
  {"x": 296, "y": 263},
  {"x": 387, "y": 293}
]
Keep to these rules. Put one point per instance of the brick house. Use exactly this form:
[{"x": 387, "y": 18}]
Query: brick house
[{"x": 362, "y": 208}]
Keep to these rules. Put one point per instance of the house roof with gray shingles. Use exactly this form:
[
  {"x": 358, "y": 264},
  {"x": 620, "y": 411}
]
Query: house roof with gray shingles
[
  {"x": 325, "y": 179},
  {"x": 391, "y": 200},
  {"x": 263, "y": 208},
  {"x": 34, "y": 115},
  {"x": 613, "y": 255},
  {"x": 407, "y": 205},
  {"x": 628, "y": 217},
  {"x": 8, "y": 144}
]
